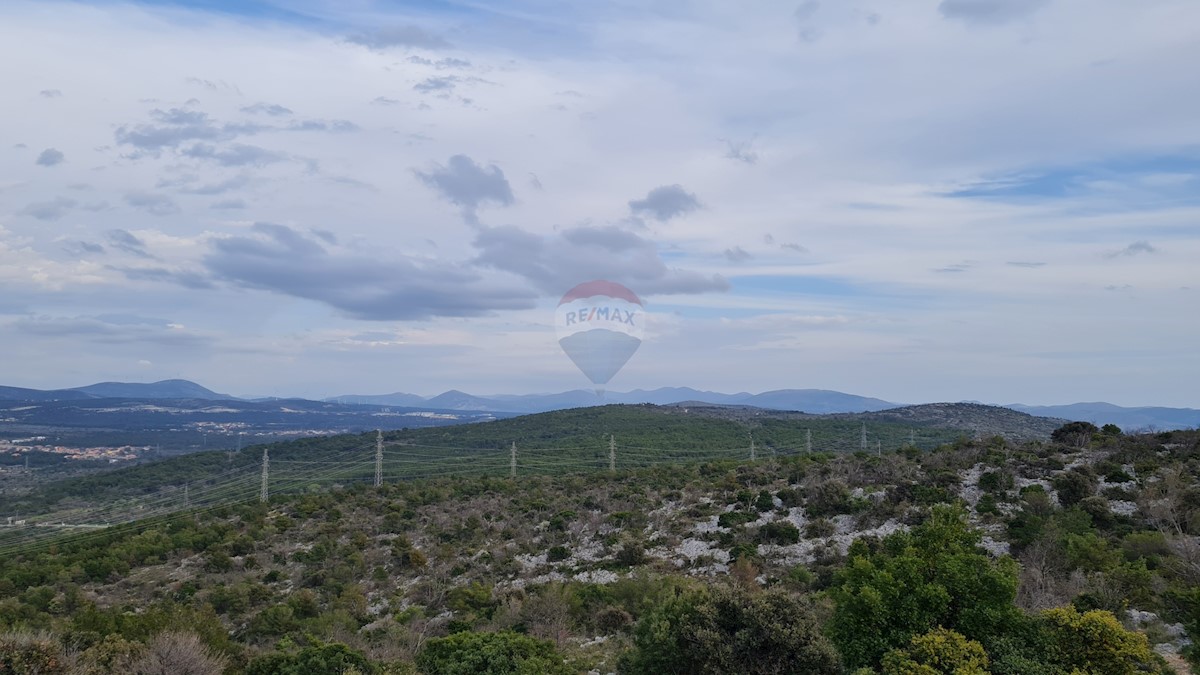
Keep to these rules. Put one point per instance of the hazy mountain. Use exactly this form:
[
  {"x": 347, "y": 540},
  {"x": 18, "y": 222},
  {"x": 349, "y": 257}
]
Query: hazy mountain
[
  {"x": 807, "y": 400},
  {"x": 393, "y": 399},
  {"x": 458, "y": 400},
  {"x": 813, "y": 401},
  {"x": 166, "y": 389},
  {"x": 819, "y": 401},
  {"x": 668, "y": 395},
  {"x": 1129, "y": 419},
  {"x": 163, "y": 389}
]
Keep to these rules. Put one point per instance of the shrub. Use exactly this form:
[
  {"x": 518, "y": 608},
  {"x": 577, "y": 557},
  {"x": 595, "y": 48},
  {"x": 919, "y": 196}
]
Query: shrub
[
  {"x": 819, "y": 528},
  {"x": 1073, "y": 487},
  {"x": 938, "y": 652},
  {"x": 178, "y": 654},
  {"x": 995, "y": 481},
  {"x": 30, "y": 653},
  {"x": 730, "y": 630},
  {"x": 789, "y": 497},
  {"x": 735, "y": 518},
  {"x": 504, "y": 653},
  {"x": 1075, "y": 434},
  {"x": 1095, "y": 642},
  {"x": 827, "y": 498},
  {"x": 320, "y": 659},
  {"x": 764, "y": 502},
  {"x": 408, "y": 557},
  {"x": 916, "y": 582},
  {"x": 558, "y": 553},
  {"x": 779, "y": 532}
]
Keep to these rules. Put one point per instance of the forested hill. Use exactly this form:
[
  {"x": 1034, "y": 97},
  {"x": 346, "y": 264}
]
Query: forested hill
[{"x": 549, "y": 442}]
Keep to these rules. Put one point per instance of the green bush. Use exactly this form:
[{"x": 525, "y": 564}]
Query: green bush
[
  {"x": 730, "y": 630},
  {"x": 504, "y": 653},
  {"x": 735, "y": 518},
  {"x": 779, "y": 532},
  {"x": 1095, "y": 642},
  {"x": 321, "y": 659},
  {"x": 938, "y": 652},
  {"x": 934, "y": 576}
]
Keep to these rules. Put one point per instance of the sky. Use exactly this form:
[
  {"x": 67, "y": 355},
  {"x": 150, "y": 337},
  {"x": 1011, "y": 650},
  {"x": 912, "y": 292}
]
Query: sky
[{"x": 917, "y": 200}]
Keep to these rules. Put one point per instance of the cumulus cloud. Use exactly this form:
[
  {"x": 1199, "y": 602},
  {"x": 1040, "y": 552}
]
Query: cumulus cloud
[
  {"x": 128, "y": 242},
  {"x": 1136, "y": 248},
  {"x": 49, "y": 210},
  {"x": 238, "y": 154},
  {"x": 271, "y": 109},
  {"x": 50, "y": 157},
  {"x": 468, "y": 185},
  {"x": 737, "y": 254},
  {"x": 280, "y": 259},
  {"x": 175, "y": 126},
  {"x": 794, "y": 247},
  {"x": 50, "y": 93},
  {"x": 440, "y": 64},
  {"x": 158, "y": 205},
  {"x": 989, "y": 11},
  {"x": 665, "y": 202},
  {"x": 399, "y": 36},
  {"x": 336, "y": 126},
  {"x": 434, "y": 84},
  {"x": 558, "y": 262}
]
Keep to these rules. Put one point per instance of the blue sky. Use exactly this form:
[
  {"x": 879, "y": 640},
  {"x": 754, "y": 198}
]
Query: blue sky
[{"x": 936, "y": 200}]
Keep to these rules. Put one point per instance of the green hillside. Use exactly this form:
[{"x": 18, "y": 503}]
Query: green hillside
[
  {"x": 553, "y": 442},
  {"x": 988, "y": 557}
]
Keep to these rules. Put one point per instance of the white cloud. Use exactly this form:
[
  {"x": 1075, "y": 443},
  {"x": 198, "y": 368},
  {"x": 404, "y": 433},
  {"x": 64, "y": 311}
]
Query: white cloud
[{"x": 859, "y": 128}]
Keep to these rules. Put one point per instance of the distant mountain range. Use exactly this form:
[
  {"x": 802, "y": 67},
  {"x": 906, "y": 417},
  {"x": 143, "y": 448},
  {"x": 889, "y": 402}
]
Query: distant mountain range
[
  {"x": 813, "y": 401},
  {"x": 168, "y": 389},
  {"x": 1129, "y": 419},
  {"x": 816, "y": 401}
]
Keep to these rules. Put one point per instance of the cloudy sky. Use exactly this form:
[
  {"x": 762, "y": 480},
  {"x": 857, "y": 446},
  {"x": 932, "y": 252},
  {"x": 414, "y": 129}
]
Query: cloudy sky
[{"x": 918, "y": 200}]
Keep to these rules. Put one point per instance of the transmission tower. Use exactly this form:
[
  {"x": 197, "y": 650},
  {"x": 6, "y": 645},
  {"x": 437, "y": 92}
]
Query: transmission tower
[
  {"x": 808, "y": 440},
  {"x": 612, "y": 453},
  {"x": 378, "y": 458},
  {"x": 512, "y": 461},
  {"x": 753, "y": 450},
  {"x": 864, "y": 436},
  {"x": 266, "y": 461}
]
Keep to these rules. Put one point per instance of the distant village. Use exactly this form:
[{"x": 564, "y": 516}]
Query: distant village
[{"x": 124, "y": 453}]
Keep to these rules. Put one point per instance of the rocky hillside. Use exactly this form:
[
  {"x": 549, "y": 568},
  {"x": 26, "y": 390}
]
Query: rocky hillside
[{"x": 584, "y": 560}]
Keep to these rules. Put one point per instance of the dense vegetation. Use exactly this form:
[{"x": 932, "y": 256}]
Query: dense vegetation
[
  {"x": 554, "y": 442},
  {"x": 1078, "y": 556}
]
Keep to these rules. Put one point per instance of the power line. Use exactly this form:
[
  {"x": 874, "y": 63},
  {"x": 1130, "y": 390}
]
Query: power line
[{"x": 378, "y": 457}]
